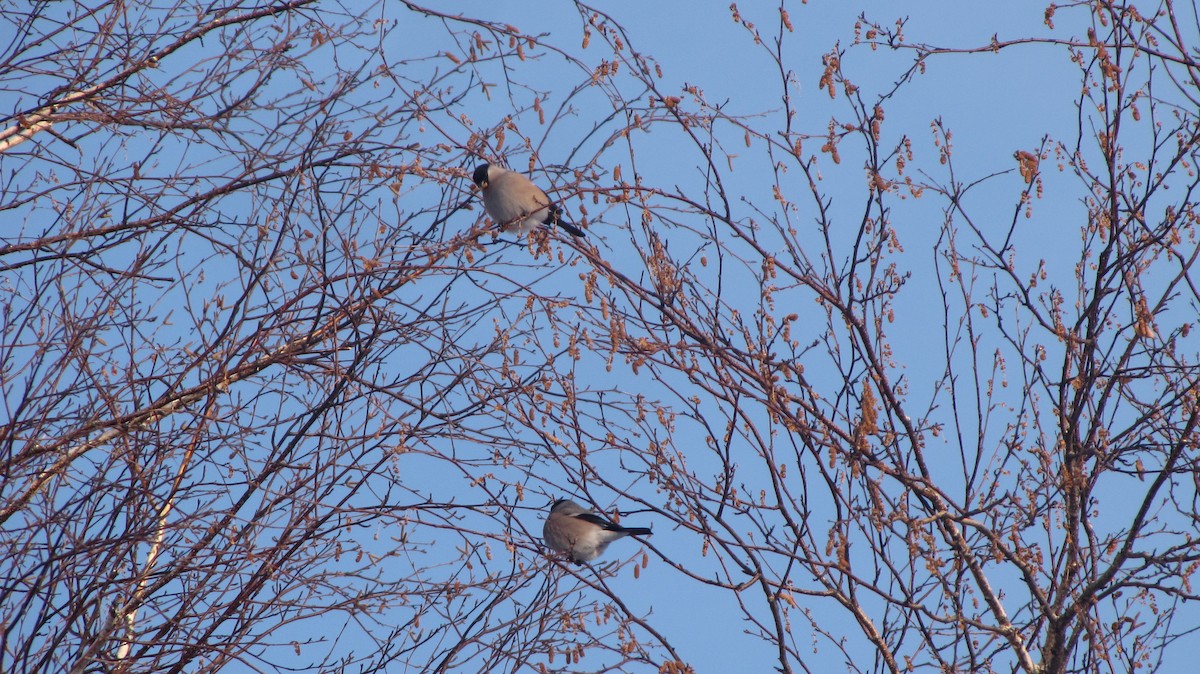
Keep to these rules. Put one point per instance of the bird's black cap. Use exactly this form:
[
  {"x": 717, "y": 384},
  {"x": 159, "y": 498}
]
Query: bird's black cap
[{"x": 480, "y": 175}]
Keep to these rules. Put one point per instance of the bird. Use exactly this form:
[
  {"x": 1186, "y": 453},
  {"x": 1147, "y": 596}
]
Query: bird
[
  {"x": 515, "y": 203},
  {"x": 581, "y": 534}
]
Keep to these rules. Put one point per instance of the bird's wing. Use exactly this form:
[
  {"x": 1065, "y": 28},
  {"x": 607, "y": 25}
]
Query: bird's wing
[{"x": 599, "y": 521}]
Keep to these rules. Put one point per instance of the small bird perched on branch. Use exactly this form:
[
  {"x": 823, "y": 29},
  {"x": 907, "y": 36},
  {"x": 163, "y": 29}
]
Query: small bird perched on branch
[
  {"x": 581, "y": 534},
  {"x": 515, "y": 203}
]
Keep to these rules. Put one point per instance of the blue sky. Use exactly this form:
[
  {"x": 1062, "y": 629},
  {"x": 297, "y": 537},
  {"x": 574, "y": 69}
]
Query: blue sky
[{"x": 995, "y": 104}]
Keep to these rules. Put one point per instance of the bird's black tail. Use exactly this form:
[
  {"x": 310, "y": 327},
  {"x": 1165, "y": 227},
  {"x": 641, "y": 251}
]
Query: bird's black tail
[
  {"x": 556, "y": 218},
  {"x": 638, "y": 531},
  {"x": 571, "y": 229}
]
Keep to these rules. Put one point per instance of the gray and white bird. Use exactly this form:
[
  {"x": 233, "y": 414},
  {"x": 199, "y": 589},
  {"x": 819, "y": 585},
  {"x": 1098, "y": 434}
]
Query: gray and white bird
[
  {"x": 515, "y": 203},
  {"x": 581, "y": 534}
]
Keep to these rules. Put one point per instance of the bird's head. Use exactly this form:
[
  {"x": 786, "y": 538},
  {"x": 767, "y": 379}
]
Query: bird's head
[
  {"x": 480, "y": 177},
  {"x": 566, "y": 506}
]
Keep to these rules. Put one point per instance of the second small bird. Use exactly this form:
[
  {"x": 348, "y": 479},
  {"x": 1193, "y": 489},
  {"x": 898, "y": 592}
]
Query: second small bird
[
  {"x": 581, "y": 534},
  {"x": 515, "y": 203}
]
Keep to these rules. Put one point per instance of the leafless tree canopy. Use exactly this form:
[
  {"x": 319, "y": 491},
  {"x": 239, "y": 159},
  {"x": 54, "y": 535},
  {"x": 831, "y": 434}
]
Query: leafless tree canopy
[{"x": 278, "y": 398}]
